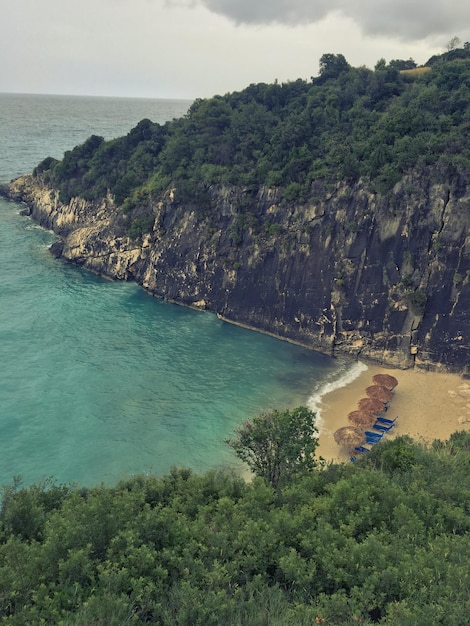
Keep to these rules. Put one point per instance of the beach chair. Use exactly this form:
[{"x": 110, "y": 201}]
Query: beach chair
[
  {"x": 384, "y": 420},
  {"x": 371, "y": 435},
  {"x": 356, "y": 452},
  {"x": 382, "y": 427},
  {"x": 361, "y": 449}
]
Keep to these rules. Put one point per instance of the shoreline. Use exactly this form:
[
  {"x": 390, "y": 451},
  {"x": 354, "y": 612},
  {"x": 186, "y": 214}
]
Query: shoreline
[{"x": 429, "y": 405}]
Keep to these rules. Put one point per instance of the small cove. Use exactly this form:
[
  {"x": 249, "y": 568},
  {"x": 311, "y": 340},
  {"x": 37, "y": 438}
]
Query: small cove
[{"x": 99, "y": 380}]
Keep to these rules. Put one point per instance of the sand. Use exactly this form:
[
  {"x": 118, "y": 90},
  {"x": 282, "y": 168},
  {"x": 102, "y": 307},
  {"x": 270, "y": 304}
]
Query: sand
[{"x": 429, "y": 406}]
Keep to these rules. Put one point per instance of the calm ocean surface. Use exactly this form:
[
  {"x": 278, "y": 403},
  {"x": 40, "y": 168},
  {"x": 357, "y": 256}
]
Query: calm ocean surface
[{"x": 98, "y": 380}]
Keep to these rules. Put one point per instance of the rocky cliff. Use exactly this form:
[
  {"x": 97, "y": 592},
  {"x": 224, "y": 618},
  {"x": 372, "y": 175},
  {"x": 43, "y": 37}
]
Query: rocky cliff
[{"x": 380, "y": 277}]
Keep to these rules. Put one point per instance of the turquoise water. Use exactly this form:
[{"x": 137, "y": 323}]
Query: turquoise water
[{"x": 98, "y": 380}]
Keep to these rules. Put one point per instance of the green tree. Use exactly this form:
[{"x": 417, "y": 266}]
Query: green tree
[
  {"x": 331, "y": 66},
  {"x": 400, "y": 64},
  {"x": 278, "y": 444}
]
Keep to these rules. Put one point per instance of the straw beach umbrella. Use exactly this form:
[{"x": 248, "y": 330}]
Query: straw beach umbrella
[
  {"x": 386, "y": 380},
  {"x": 349, "y": 436},
  {"x": 361, "y": 419},
  {"x": 379, "y": 393},
  {"x": 370, "y": 404}
]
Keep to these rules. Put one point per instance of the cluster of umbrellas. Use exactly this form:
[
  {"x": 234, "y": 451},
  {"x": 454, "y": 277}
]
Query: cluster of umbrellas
[{"x": 378, "y": 395}]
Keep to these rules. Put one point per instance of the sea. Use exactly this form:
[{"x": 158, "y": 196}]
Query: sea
[{"x": 98, "y": 380}]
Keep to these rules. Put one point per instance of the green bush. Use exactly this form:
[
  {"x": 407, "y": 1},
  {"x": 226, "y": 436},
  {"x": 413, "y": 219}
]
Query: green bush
[
  {"x": 141, "y": 226},
  {"x": 416, "y": 301},
  {"x": 384, "y": 540}
]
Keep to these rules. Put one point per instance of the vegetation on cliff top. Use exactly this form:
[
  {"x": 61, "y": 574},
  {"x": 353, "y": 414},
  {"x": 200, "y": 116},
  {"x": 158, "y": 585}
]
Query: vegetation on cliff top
[
  {"x": 347, "y": 123},
  {"x": 384, "y": 540}
]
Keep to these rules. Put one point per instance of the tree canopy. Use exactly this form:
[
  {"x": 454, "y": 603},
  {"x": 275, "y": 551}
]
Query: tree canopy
[
  {"x": 345, "y": 124},
  {"x": 279, "y": 444},
  {"x": 385, "y": 540}
]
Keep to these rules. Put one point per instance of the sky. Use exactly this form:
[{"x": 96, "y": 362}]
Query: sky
[{"x": 199, "y": 48}]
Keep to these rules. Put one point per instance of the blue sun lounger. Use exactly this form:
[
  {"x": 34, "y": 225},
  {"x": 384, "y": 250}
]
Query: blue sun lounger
[
  {"x": 358, "y": 450},
  {"x": 386, "y": 421},
  {"x": 373, "y": 436},
  {"x": 382, "y": 427}
]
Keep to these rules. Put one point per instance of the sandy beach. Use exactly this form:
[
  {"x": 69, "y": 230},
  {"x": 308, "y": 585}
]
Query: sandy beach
[{"x": 429, "y": 406}]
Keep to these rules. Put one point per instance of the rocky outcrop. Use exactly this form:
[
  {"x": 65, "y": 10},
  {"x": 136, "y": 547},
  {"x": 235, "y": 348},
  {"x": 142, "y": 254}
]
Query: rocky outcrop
[{"x": 380, "y": 277}]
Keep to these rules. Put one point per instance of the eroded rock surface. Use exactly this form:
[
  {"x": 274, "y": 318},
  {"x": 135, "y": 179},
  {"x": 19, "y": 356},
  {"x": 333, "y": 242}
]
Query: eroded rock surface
[{"x": 381, "y": 277}]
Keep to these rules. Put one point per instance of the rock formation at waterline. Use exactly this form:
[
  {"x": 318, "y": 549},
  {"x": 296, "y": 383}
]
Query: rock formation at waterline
[{"x": 384, "y": 277}]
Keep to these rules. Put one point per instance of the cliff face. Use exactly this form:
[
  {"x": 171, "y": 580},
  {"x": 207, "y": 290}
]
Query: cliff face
[{"x": 381, "y": 277}]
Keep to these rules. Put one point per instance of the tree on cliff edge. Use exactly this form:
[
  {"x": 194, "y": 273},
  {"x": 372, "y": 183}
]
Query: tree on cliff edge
[{"x": 279, "y": 444}]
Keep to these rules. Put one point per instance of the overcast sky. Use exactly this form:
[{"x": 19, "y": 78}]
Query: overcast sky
[{"x": 199, "y": 48}]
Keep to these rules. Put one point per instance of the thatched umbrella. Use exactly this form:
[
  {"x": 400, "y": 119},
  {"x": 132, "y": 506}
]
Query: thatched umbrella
[
  {"x": 379, "y": 393},
  {"x": 362, "y": 419},
  {"x": 370, "y": 404},
  {"x": 349, "y": 436},
  {"x": 386, "y": 380}
]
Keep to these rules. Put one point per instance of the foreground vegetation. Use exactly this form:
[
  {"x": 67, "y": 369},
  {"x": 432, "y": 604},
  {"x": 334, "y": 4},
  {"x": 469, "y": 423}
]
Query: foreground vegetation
[{"x": 384, "y": 540}]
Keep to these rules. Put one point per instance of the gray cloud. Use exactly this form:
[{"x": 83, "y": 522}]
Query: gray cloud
[
  {"x": 397, "y": 18},
  {"x": 268, "y": 12}
]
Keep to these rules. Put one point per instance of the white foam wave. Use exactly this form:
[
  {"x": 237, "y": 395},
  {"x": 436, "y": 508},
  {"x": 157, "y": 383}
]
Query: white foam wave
[{"x": 345, "y": 375}]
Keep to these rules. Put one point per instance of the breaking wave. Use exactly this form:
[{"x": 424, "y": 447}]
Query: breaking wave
[{"x": 343, "y": 377}]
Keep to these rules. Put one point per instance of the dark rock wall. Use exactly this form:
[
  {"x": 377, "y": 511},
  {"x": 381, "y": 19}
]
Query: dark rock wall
[{"x": 384, "y": 278}]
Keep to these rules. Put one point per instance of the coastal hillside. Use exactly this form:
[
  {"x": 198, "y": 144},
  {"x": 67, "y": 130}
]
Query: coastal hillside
[{"x": 334, "y": 212}]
